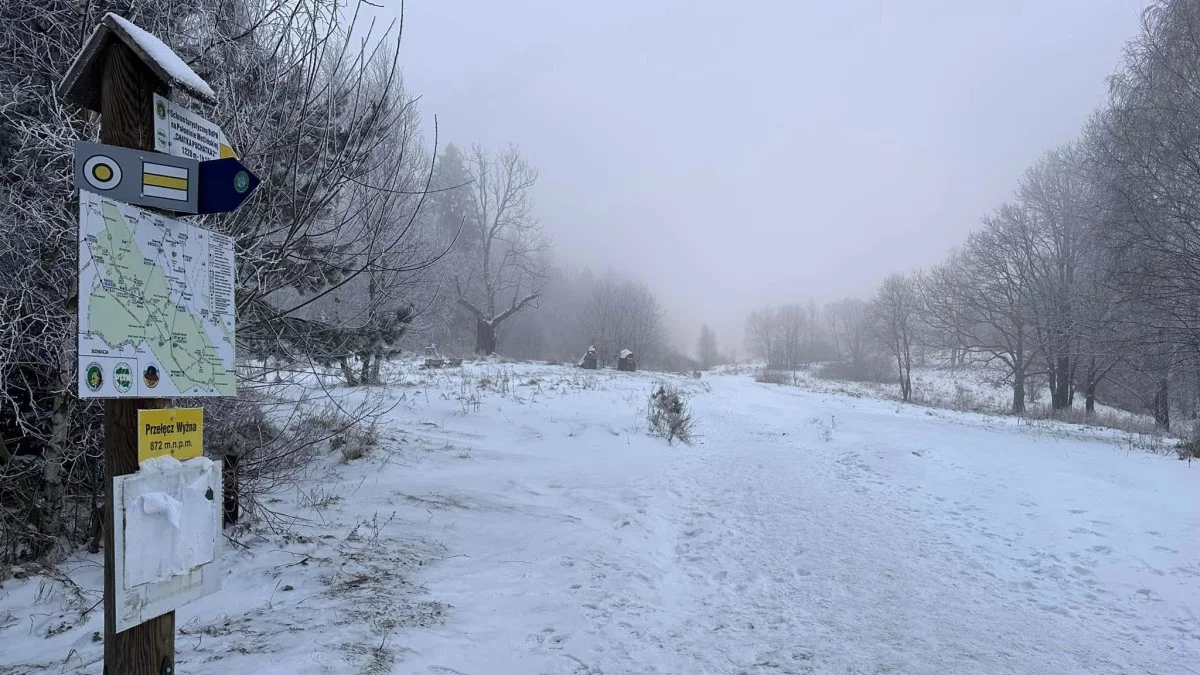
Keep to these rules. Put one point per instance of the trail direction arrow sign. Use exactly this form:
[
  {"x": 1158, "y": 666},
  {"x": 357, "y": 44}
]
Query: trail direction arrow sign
[
  {"x": 138, "y": 177},
  {"x": 162, "y": 181},
  {"x": 224, "y": 185}
]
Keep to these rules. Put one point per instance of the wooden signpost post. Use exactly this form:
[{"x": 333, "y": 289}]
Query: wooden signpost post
[{"x": 118, "y": 74}]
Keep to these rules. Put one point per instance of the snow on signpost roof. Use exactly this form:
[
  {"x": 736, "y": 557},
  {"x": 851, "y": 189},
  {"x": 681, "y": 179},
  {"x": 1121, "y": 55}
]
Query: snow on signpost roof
[
  {"x": 166, "y": 58},
  {"x": 625, "y": 353},
  {"x": 81, "y": 85}
]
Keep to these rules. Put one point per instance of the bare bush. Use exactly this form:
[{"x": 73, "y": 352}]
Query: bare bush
[
  {"x": 357, "y": 441},
  {"x": 768, "y": 376}
]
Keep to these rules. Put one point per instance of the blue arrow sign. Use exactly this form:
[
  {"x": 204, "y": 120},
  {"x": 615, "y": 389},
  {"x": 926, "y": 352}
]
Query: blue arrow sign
[{"x": 224, "y": 185}]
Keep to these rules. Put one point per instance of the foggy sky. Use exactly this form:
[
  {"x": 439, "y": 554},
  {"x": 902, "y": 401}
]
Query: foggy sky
[{"x": 733, "y": 154}]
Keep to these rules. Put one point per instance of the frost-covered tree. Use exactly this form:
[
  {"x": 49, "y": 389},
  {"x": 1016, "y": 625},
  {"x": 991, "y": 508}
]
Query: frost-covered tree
[
  {"x": 509, "y": 271},
  {"x": 623, "y": 314},
  {"x": 762, "y": 337},
  {"x": 791, "y": 326},
  {"x": 448, "y": 210},
  {"x": 847, "y": 320},
  {"x": 894, "y": 324},
  {"x": 707, "y": 351}
]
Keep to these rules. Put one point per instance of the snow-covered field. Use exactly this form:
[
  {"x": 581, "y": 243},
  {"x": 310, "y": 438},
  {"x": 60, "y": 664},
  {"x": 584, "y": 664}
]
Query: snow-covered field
[{"x": 530, "y": 525}]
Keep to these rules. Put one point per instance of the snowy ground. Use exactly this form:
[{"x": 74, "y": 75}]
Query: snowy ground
[{"x": 532, "y": 526}]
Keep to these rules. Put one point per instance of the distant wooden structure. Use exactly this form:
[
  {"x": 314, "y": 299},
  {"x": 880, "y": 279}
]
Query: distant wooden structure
[
  {"x": 590, "y": 360},
  {"x": 626, "y": 362},
  {"x": 434, "y": 360}
]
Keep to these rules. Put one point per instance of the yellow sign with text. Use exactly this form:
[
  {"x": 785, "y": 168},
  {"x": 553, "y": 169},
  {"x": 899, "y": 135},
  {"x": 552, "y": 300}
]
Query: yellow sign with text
[{"x": 178, "y": 432}]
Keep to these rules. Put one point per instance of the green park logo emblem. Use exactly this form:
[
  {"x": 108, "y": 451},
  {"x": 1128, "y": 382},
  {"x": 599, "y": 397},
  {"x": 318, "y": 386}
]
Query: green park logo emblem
[
  {"x": 122, "y": 377},
  {"x": 160, "y": 109},
  {"x": 95, "y": 376},
  {"x": 241, "y": 182}
]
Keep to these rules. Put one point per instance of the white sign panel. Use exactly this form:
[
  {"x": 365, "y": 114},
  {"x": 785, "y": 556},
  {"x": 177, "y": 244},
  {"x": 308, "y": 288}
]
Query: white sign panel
[
  {"x": 156, "y": 312},
  {"x": 181, "y": 132},
  {"x": 167, "y": 539}
]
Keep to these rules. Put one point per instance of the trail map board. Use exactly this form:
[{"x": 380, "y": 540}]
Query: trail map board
[{"x": 156, "y": 313}]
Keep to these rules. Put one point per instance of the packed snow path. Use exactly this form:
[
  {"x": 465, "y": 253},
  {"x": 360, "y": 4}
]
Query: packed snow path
[
  {"x": 529, "y": 525},
  {"x": 824, "y": 534}
]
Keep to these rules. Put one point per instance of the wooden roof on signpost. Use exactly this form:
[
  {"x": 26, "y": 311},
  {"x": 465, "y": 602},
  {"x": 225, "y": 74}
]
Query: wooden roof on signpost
[{"x": 81, "y": 85}]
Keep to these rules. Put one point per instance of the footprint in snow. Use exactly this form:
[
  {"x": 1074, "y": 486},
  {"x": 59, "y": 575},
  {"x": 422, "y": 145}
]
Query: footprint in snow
[
  {"x": 534, "y": 641},
  {"x": 1054, "y": 609}
]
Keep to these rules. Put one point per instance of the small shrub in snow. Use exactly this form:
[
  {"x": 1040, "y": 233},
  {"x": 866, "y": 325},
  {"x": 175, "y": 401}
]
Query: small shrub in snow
[
  {"x": 773, "y": 377},
  {"x": 356, "y": 441},
  {"x": 824, "y": 429},
  {"x": 669, "y": 416}
]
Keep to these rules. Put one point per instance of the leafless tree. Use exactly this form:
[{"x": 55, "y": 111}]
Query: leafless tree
[
  {"x": 894, "y": 323},
  {"x": 707, "y": 351},
  {"x": 508, "y": 275},
  {"x": 624, "y": 314},
  {"x": 1061, "y": 203},
  {"x": 1151, "y": 232},
  {"x": 847, "y": 320},
  {"x": 792, "y": 330},
  {"x": 761, "y": 336}
]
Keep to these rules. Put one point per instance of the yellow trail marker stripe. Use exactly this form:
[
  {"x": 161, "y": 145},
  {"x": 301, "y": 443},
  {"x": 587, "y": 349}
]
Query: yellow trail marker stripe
[{"x": 164, "y": 181}]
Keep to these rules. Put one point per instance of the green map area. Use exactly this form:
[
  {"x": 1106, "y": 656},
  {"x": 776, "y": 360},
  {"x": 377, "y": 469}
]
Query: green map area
[{"x": 134, "y": 304}]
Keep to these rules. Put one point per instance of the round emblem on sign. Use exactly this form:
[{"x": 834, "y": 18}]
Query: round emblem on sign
[
  {"x": 102, "y": 172},
  {"x": 241, "y": 181},
  {"x": 94, "y": 376},
  {"x": 161, "y": 110},
  {"x": 150, "y": 377},
  {"x": 122, "y": 377}
]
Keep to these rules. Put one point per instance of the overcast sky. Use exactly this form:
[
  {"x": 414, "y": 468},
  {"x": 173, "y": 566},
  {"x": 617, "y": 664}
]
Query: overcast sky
[{"x": 733, "y": 154}]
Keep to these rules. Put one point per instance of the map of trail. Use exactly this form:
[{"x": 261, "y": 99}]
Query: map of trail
[{"x": 156, "y": 312}]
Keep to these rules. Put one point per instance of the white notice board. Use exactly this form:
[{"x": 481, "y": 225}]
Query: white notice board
[{"x": 167, "y": 535}]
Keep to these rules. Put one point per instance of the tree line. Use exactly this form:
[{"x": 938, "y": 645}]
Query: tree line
[{"x": 1086, "y": 284}]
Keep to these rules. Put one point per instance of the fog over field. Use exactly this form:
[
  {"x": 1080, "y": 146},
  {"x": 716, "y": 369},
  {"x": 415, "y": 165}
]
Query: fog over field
[{"x": 734, "y": 155}]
